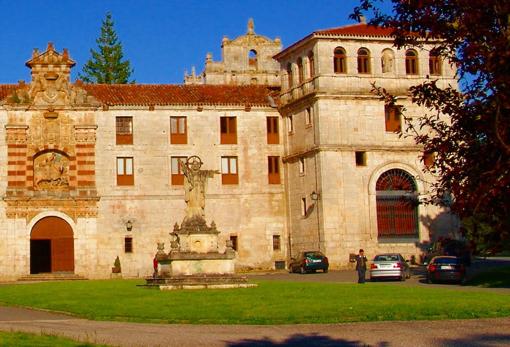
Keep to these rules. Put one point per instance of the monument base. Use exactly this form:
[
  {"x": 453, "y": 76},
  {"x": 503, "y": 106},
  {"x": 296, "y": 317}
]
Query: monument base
[{"x": 199, "y": 281}]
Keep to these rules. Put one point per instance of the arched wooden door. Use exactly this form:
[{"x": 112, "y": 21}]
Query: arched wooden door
[{"x": 51, "y": 246}]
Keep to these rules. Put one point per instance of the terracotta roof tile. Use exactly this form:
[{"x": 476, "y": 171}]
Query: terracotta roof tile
[
  {"x": 168, "y": 94},
  {"x": 361, "y": 29}
]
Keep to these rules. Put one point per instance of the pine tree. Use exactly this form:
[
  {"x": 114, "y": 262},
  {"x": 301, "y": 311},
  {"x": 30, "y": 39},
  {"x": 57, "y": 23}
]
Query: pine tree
[{"x": 106, "y": 65}]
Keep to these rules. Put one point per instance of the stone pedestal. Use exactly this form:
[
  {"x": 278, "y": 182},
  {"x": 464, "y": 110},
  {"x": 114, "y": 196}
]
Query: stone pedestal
[{"x": 194, "y": 261}]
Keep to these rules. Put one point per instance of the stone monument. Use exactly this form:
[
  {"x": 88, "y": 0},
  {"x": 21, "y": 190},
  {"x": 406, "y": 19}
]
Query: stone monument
[{"x": 194, "y": 260}]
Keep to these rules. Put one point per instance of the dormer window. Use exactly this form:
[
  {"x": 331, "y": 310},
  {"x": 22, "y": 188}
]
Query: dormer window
[
  {"x": 339, "y": 61},
  {"x": 363, "y": 61},
  {"x": 411, "y": 62}
]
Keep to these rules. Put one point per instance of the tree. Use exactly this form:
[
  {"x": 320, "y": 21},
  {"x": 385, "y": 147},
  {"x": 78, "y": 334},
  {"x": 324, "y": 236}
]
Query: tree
[
  {"x": 472, "y": 144},
  {"x": 106, "y": 65}
]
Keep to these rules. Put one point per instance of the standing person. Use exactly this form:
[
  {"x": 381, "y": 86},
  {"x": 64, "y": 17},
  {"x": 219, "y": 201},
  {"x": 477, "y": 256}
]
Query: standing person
[
  {"x": 155, "y": 264},
  {"x": 361, "y": 266}
]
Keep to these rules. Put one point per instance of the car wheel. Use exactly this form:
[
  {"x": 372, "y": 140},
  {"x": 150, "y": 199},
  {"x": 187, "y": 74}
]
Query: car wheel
[
  {"x": 303, "y": 270},
  {"x": 403, "y": 278},
  {"x": 429, "y": 280},
  {"x": 325, "y": 270}
]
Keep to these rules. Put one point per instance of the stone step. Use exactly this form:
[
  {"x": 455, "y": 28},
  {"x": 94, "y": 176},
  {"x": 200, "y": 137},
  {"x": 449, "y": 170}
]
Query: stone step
[{"x": 42, "y": 277}]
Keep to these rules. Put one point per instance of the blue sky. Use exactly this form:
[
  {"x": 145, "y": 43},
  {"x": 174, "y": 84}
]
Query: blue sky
[{"x": 161, "y": 38}]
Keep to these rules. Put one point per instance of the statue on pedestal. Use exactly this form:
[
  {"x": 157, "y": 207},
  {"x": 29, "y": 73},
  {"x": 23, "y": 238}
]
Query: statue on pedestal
[{"x": 195, "y": 183}]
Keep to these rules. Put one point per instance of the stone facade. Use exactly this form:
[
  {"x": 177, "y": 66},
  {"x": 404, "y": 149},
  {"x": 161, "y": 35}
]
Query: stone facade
[
  {"x": 102, "y": 158},
  {"x": 337, "y": 144}
]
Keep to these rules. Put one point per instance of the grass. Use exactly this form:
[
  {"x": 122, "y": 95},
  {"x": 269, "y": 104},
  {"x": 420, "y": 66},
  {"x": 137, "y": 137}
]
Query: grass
[
  {"x": 30, "y": 340},
  {"x": 272, "y": 302},
  {"x": 495, "y": 278}
]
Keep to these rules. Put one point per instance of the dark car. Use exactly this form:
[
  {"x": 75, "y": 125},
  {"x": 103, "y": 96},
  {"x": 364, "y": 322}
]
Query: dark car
[
  {"x": 389, "y": 265},
  {"x": 309, "y": 261},
  {"x": 446, "y": 269}
]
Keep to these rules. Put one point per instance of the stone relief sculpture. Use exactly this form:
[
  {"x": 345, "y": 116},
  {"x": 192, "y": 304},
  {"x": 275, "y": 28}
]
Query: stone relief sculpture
[
  {"x": 51, "y": 171},
  {"x": 195, "y": 183}
]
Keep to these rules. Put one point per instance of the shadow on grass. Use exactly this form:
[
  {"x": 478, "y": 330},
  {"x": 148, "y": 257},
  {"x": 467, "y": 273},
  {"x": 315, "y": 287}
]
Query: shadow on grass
[
  {"x": 478, "y": 341},
  {"x": 301, "y": 340}
]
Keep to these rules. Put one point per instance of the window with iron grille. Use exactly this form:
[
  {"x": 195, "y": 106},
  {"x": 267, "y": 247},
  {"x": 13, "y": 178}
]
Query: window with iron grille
[
  {"x": 128, "y": 244},
  {"x": 276, "y": 243},
  {"x": 311, "y": 64},
  {"x": 434, "y": 63},
  {"x": 397, "y": 204},
  {"x": 124, "y": 130}
]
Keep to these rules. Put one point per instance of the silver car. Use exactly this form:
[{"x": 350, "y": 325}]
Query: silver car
[{"x": 389, "y": 265}]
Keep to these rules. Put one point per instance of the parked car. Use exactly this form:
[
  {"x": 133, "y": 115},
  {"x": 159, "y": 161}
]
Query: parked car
[
  {"x": 389, "y": 265},
  {"x": 309, "y": 261},
  {"x": 446, "y": 269}
]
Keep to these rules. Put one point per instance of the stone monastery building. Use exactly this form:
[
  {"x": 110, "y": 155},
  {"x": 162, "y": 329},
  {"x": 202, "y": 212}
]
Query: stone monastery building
[{"x": 309, "y": 158}]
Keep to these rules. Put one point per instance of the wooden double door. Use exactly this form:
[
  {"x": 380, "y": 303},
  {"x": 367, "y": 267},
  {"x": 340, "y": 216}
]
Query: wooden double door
[{"x": 51, "y": 246}]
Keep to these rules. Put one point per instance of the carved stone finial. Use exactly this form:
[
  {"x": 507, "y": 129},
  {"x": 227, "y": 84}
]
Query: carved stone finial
[
  {"x": 176, "y": 227},
  {"x": 362, "y": 19},
  {"x": 51, "y": 47},
  {"x": 251, "y": 27},
  {"x": 35, "y": 53},
  {"x": 208, "y": 57}
]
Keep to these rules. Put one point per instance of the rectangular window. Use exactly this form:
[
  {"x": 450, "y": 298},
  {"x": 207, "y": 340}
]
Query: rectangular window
[
  {"x": 128, "y": 244},
  {"x": 361, "y": 158},
  {"x": 178, "y": 130},
  {"x": 392, "y": 118},
  {"x": 124, "y": 130},
  {"x": 273, "y": 169},
  {"x": 303, "y": 206},
  {"x": 272, "y": 131},
  {"x": 176, "y": 170},
  {"x": 290, "y": 123},
  {"x": 229, "y": 173},
  {"x": 233, "y": 239},
  {"x": 276, "y": 243},
  {"x": 228, "y": 130},
  {"x": 301, "y": 166},
  {"x": 308, "y": 117},
  {"x": 125, "y": 171}
]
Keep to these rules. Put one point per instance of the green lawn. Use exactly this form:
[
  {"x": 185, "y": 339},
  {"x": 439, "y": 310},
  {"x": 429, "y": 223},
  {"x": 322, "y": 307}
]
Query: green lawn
[
  {"x": 271, "y": 302},
  {"x": 30, "y": 340}
]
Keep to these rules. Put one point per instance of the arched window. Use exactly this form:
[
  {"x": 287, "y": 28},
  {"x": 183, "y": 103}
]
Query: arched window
[
  {"x": 363, "y": 60},
  {"x": 300, "y": 70},
  {"x": 411, "y": 62},
  {"x": 434, "y": 63},
  {"x": 339, "y": 61},
  {"x": 311, "y": 64},
  {"x": 252, "y": 58},
  {"x": 289, "y": 75},
  {"x": 397, "y": 204},
  {"x": 387, "y": 61}
]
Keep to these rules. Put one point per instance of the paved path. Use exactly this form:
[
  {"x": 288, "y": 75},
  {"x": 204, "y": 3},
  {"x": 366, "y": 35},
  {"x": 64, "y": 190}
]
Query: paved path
[{"x": 482, "y": 332}]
